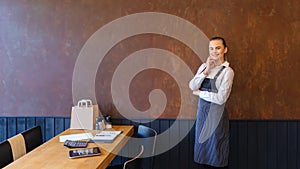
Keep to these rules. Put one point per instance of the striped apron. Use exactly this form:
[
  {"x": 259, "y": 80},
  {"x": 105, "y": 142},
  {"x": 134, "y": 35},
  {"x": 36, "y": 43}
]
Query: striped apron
[{"x": 212, "y": 129}]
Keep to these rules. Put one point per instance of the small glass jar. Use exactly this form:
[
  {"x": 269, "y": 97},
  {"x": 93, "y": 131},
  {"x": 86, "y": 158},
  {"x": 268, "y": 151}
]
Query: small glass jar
[{"x": 100, "y": 123}]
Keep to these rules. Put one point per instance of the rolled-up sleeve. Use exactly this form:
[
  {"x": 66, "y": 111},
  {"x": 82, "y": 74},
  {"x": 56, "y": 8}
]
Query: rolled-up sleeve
[
  {"x": 198, "y": 78},
  {"x": 223, "y": 90}
]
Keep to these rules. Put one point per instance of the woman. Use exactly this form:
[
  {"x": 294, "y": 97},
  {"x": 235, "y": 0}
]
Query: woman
[{"x": 212, "y": 83}]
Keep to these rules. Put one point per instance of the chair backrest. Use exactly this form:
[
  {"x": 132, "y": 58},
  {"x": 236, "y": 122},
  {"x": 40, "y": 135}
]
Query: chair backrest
[
  {"x": 17, "y": 144},
  {"x": 147, "y": 132},
  {"x": 33, "y": 138},
  {"x": 147, "y": 147},
  {"x": 6, "y": 155}
]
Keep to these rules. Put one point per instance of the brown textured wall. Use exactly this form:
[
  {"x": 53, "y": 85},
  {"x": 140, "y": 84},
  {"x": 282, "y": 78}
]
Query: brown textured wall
[{"x": 40, "y": 41}]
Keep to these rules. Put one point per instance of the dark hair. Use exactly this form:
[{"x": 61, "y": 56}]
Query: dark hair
[{"x": 219, "y": 38}]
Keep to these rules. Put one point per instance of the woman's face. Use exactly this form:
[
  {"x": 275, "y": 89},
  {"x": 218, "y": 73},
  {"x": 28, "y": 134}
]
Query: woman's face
[{"x": 217, "y": 50}]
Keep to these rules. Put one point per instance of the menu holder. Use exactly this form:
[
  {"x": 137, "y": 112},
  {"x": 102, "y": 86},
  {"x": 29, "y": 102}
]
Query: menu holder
[{"x": 106, "y": 136}]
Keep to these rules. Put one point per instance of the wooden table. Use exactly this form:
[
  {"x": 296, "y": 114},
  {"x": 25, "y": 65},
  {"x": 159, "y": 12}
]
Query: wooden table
[{"x": 53, "y": 154}]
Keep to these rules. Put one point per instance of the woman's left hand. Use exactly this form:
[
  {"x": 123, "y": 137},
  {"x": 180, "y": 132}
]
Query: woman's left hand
[{"x": 196, "y": 92}]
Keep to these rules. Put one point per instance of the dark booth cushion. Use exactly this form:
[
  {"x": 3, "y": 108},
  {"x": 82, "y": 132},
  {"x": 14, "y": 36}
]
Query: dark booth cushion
[
  {"x": 6, "y": 155},
  {"x": 33, "y": 138}
]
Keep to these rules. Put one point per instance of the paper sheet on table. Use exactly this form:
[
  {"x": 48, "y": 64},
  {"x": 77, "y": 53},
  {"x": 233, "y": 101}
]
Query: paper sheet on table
[{"x": 81, "y": 136}]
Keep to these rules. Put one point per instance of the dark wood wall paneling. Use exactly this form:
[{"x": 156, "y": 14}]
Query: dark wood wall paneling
[
  {"x": 51, "y": 126},
  {"x": 254, "y": 144}
]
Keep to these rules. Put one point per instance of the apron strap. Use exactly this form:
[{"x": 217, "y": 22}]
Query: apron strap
[{"x": 219, "y": 72}]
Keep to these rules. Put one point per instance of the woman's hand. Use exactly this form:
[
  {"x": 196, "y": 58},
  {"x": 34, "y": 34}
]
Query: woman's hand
[
  {"x": 210, "y": 63},
  {"x": 196, "y": 92}
]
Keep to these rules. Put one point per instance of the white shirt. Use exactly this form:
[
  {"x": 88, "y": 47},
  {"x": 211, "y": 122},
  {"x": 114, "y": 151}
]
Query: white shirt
[{"x": 223, "y": 83}]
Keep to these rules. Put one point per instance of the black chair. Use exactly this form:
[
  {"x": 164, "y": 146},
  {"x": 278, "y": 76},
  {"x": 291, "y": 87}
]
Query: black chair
[
  {"x": 33, "y": 138},
  {"x": 6, "y": 155},
  {"x": 147, "y": 147}
]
